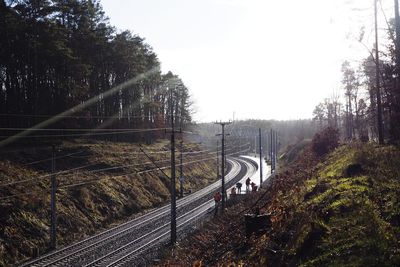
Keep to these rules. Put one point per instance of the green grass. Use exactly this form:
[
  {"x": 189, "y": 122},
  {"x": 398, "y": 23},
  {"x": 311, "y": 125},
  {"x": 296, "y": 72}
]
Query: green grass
[
  {"x": 324, "y": 212},
  {"x": 360, "y": 212}
]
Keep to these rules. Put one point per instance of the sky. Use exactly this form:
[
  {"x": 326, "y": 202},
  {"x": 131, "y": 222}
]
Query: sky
[{"x": 253, "y": 59}]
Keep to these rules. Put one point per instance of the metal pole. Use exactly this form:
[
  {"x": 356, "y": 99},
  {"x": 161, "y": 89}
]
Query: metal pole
[
  {"x": 255, "y": 145},
  {"x": 223, "y": 167},
  {"x": 223, "y": 193},
  {"x": 271, "y": 150},
  {"x": 378, "y": 89},
  {"x": 53, "y": 220},
  {"x": 397, "y": 41},
  {"x": 397, "y": 66},
  {"x": 181, "y": 171},
  {"x": 261, "y": 160},
  {"x": 217, "y": 160},
  {"x": 173, "y": 187},
  {"x": 275, "y": 149},
  {"x": 275, "y": 157}
]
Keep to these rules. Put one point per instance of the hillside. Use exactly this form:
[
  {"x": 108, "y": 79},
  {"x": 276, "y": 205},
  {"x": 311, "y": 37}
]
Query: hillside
[
  {"x": 339, "y": 209},
  {"x": 99, "y": 184}
]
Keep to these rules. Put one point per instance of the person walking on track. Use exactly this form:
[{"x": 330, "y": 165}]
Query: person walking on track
[
  {"x": 239, "y": 187},
  {"x": 248, "y": 181},
  {"x": 233, "y": 191},
  {"x": 217, "y": 199}
]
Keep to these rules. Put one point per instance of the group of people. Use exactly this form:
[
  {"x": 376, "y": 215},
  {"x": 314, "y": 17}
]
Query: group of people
[
  {"x": 248, "y": 184},
  {"x": 218, "y": 196},
  {"x": 252, "y": 184}
]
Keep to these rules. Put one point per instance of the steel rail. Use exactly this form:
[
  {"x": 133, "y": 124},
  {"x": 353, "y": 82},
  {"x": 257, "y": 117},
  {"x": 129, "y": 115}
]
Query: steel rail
[
  {"x": 123, "y": 228},
  {"x": 204, "y": 208}
]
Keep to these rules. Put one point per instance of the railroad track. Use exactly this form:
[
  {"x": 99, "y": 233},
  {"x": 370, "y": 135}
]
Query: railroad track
[{"x": 122, "y": 244}]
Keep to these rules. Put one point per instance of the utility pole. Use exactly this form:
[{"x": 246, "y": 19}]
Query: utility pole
[
  {"x": 396, "y": 129},
  {"x": 173, "y": 174},
  {"x": 53, "y": 219},
  {"x": 255, "y": 145},
  {"x": 397, "y": 41},
  {"x": 217, "y": 159},
  {"x": 181, "y": 171},
  {"x": 378, "y": 89},
  {"x": 271, "y": 149},
  {"x": 223, "y": 162},
  {"x": 261, "y": 159},
  {"x": 275, "y": 149}
]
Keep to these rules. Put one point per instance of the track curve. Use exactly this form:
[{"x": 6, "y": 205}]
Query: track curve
[{"x": 126, "y": 243}]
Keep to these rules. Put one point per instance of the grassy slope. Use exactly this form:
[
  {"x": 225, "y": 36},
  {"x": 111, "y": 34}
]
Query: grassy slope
[
  {"x": 83, "y": 210},
  {"x": 322, "y": 215},
  {"x": 355, "y": 215}
]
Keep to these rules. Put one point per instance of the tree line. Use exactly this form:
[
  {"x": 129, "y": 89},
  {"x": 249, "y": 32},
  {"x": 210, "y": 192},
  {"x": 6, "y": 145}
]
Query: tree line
[
  {"x": 370, "y": 89},
  {"x": 242, "y": 132},
  {"x": 57, "y": 54}
]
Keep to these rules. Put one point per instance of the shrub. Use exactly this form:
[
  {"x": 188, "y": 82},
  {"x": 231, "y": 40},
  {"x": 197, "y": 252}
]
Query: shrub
[{"x": 325, "y": 141}]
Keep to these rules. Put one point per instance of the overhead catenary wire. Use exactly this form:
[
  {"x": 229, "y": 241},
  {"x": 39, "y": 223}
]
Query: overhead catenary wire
[
  {"x": 142, "y": 172},
  {"x": 89, "y": 133},
  {"x": 48, "y": 159},
  {"x": 81, "y": 116},
  {"x": 98, "y": 170},
  {"x": 87, "y": 182},
  {"x": 81, "y": 167},
  {"x": 78, "y": 168},
  {"x": 83, "y": 105},
  {"x": 85, "y": 129},
  {"x": 48, "y": 175}
]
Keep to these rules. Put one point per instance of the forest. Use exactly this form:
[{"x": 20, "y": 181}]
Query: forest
[
  {"x": 63, "y": 55},
  {"x": 367, "y": 105}
]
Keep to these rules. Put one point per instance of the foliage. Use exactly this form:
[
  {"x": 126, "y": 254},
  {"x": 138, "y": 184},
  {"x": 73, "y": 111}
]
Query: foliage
[
  {"x": 55, "y": 55},
  {"x": 325, "y": 141},
  {"x": 320, "y": 215},
  {"x": 358, "y": 119},
  {"x": 292, "y": 152}
]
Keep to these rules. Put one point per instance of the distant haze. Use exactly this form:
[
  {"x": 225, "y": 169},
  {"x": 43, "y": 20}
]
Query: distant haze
[{"x": 259, "y": 59}]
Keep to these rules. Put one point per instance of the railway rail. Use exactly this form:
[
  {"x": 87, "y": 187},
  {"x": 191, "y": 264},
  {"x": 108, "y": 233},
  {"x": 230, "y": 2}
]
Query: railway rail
[{"x": 124, "y": 244}]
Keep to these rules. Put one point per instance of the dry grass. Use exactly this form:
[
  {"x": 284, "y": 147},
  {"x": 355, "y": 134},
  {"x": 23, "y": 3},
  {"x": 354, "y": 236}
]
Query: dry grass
[
  {"x": 326, "y": 214},
  {"x": 111, "y": 197}
]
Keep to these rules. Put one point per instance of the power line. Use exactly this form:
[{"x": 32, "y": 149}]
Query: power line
[
  {"x": 47, "y": 175},
  {"x": 83, "y": 105},
  {"x": 48, "y": 159},
  {"x": 98, "y": 179},
  {"x": 84, "y": 129},
  {"x": 23, "y": 194},
  {"x": 140, "y": 172},
  {"x": 78, "y": 168},
  {"x": 87, "y": 134},
  {"x": 81, "y": 116}
]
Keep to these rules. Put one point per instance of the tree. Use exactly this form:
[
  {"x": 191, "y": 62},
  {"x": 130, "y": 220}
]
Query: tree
[
  {"x": 350, "y": 84},
  {"x": 81, "y": 57}
]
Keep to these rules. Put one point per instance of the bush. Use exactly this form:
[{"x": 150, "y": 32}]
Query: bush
[{"x": 325, "y": 141}]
